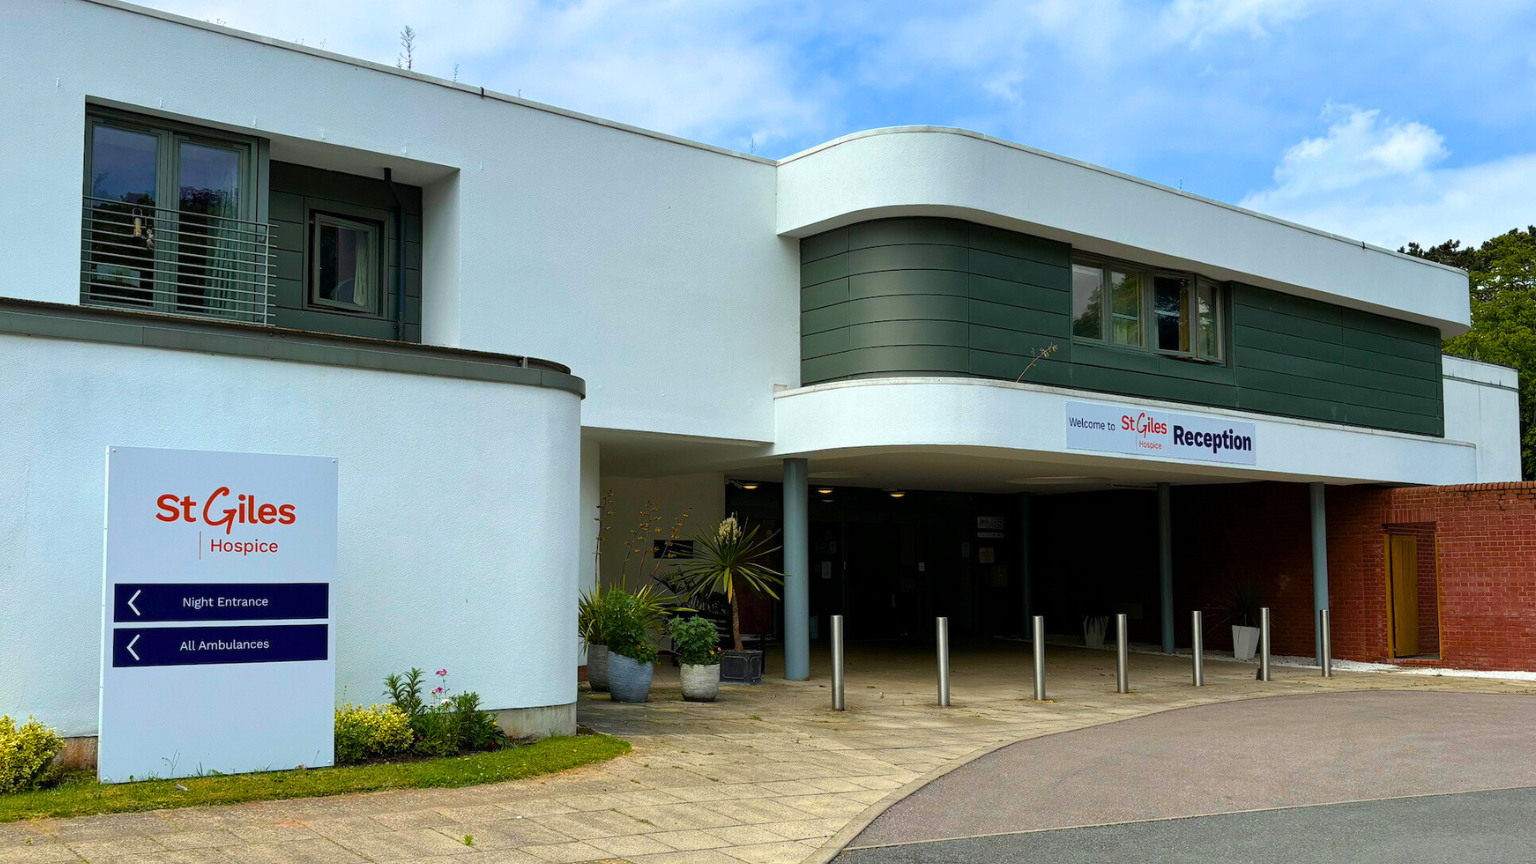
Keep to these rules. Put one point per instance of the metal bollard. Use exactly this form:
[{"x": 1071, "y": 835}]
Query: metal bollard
[
  {"x": 1037, "y": 641},
  {"x": 1197, "y": 643},
  {"x": 837, "y": 664},
  {"x": 943, "y": 631},
  {"x": 1264, "y": 643},
  {"x": 1327, "y": 640},
  {"x": 1122, "y": 656}
]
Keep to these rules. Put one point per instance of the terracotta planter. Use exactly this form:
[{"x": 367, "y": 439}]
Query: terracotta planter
[
  {"x": 629, "y": 680},
  {"x": 700, "y": 683},
  {"x": 597, "y": 667}
]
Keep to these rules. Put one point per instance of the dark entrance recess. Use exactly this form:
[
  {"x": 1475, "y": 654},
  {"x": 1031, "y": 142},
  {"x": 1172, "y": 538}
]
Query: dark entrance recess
[{"x": 890, "y": 565}]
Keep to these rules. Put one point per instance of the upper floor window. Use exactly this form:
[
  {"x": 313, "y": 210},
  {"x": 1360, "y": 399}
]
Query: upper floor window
[
  {"x": 346, "y": 262},
  {"x": 1170, "y": 313},
  {"x": 169, "y": 221}
]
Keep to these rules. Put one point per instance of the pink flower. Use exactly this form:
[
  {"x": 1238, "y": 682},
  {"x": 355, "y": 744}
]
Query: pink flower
[
  {"x": 438, "y": 690},
  {"x": 442, "y": 672}
]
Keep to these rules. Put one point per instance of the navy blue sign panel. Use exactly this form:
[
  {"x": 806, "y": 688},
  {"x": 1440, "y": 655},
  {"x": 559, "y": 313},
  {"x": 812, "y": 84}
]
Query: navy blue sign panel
[
  {"x": 201, "y": 646},
  {"x": 203, "y": 602}
]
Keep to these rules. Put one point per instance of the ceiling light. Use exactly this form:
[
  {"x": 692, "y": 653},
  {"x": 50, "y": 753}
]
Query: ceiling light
[
  {"x": 894, "y": 493},
  {"x": 825, "y": 490},
  {"x": 898, "y": 494},
  {"x": 748, "y": 486}
]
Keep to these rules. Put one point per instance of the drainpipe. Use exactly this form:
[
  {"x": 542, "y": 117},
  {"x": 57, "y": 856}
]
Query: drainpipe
[{"x": 389, "y": 181}]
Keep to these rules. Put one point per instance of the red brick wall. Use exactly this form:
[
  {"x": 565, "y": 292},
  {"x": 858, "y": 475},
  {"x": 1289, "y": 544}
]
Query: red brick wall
[
  {"x": 1476, "y": 544},
  {"x": 1226, "y": 535},
  {"x": 1486, "y": 549}
]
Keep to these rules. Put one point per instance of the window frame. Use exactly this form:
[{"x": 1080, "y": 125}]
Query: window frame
[
  {"x": 169, "y": 135},
  {"x": 1147, "y": 306},
  {"x": 381, "y": 290}
]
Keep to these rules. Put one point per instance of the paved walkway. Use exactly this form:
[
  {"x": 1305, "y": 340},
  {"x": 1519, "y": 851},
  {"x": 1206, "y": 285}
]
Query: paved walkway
[{"x": 768, "y": 774}]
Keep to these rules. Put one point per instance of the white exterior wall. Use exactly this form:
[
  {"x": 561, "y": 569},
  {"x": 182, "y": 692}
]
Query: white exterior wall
[
  {"x": 1482, "y": 405},
  {"x": 651, "y": 267},
  {"x": 700, "y": 496},
  {"x": 951, "y": 172},
  {"x": 457, "y": 532}
]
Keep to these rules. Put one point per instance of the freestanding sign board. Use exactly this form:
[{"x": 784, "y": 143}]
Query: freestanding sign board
[{"x": 217, "y": 647}]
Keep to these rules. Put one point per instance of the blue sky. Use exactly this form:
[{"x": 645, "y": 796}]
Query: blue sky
[{"x": 1384, "y": 121}]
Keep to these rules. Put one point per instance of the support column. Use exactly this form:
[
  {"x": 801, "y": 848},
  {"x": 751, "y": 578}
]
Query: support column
[
  {"x": 1024, "y": 572},
  {"x": 797, "y": 571},
  {"x": 1165, "y": 561},
  {"x": 1319, "y": 562}
]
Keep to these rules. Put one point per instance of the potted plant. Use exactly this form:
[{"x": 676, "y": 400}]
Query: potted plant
[
  {"x": 697, "y": 644},
  {"x": 589, "y": 625},
  {"x": 1094, "y": 627},
  {"x": 631, "y": 656},
  {"x": 1241, "y": 609},
  {"x": 728, "y": 561}
]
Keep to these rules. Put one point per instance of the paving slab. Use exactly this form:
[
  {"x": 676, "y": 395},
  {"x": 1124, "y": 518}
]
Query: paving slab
[{"x": 777, "y": 748}]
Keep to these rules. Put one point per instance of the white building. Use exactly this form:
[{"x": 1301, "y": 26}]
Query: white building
[{"x": 207, "y": 257}]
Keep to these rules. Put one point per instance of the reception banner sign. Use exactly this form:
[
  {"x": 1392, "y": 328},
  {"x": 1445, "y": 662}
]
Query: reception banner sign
[
  {"x": 1155, "y": 432},
  {"x": 218, "y": 652}
]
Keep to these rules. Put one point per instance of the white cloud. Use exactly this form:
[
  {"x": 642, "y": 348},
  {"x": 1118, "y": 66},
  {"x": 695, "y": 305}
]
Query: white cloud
[
  {"x": 1380, "y": 181},
  {"x": 1193, "y": 21},
  {"x": 687, "y": 67}
]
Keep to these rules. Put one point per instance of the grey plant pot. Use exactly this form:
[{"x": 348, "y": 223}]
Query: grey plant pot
[
  {"x": 628, "y": 679},
  {"x": 700, "y": 683},
  {"x": 597, "y": 667}
]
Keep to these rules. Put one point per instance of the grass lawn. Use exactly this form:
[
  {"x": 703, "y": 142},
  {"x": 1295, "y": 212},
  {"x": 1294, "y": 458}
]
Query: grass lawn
[{"x": 85, "y": 796}]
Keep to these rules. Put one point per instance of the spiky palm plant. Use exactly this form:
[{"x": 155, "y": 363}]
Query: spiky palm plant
[{"x": 728, "y": 561}]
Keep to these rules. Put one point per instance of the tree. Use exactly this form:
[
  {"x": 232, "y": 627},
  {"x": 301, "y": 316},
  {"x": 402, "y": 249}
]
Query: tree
[{"x": 1502, "y": 273}]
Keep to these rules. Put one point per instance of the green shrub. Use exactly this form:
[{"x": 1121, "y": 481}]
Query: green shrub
[
  {"x": 371, "y": 732},
  {"x": 26, "y": 754},
  {"x": 477, "y": 729},
  {"x": 626, "y": 629},
  {"x": 695, "y": 640},
  {"x": 442, "y": 724}
]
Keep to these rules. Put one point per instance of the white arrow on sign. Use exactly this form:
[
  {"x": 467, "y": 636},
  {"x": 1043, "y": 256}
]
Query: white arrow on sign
[
  {"x": 133, "y": 607},
  {"x": 129, "y": 647}
]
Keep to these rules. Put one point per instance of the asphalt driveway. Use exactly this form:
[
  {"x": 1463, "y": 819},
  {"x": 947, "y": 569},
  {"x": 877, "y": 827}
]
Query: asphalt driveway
[{"x": 1382, "y": 776}]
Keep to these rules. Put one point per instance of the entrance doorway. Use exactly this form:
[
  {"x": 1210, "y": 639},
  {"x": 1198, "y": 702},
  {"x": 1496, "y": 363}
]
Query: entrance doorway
[{"x": 1403, "y": 595}]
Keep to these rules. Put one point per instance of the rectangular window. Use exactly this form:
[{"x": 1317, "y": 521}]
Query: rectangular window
[
  {"x": 170, "y": 222},
  {"x": 345, "y": 264},
  {"x": 1208, "y": 336},
  {"x": 1170, "y": 306},
  {"x": 1170, "y": 313},
  {"x": 1125, "y": 308},
  {"x": 1088, "y": 301}
]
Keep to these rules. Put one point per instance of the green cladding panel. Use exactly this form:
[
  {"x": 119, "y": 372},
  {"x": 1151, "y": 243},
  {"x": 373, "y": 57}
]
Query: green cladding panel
[
  {"x": 920, "y": 296},
  {"x": 298, "y": 193}
]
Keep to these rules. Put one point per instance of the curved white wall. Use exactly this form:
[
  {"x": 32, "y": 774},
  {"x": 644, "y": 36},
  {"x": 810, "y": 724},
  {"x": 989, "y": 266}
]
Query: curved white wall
[
  {"x": 457, "y": 526},
  {"x": 1029, "y": 421},
  {"x": 950, "y": 172}
]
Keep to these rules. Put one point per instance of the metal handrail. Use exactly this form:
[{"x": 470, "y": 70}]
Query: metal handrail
[{"x": 135, "y": 256}]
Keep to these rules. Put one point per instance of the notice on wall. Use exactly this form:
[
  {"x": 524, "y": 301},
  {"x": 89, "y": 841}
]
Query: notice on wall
[
  {"x": 1155, "y": 432},
  {"x": 218, "y": 652}
]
